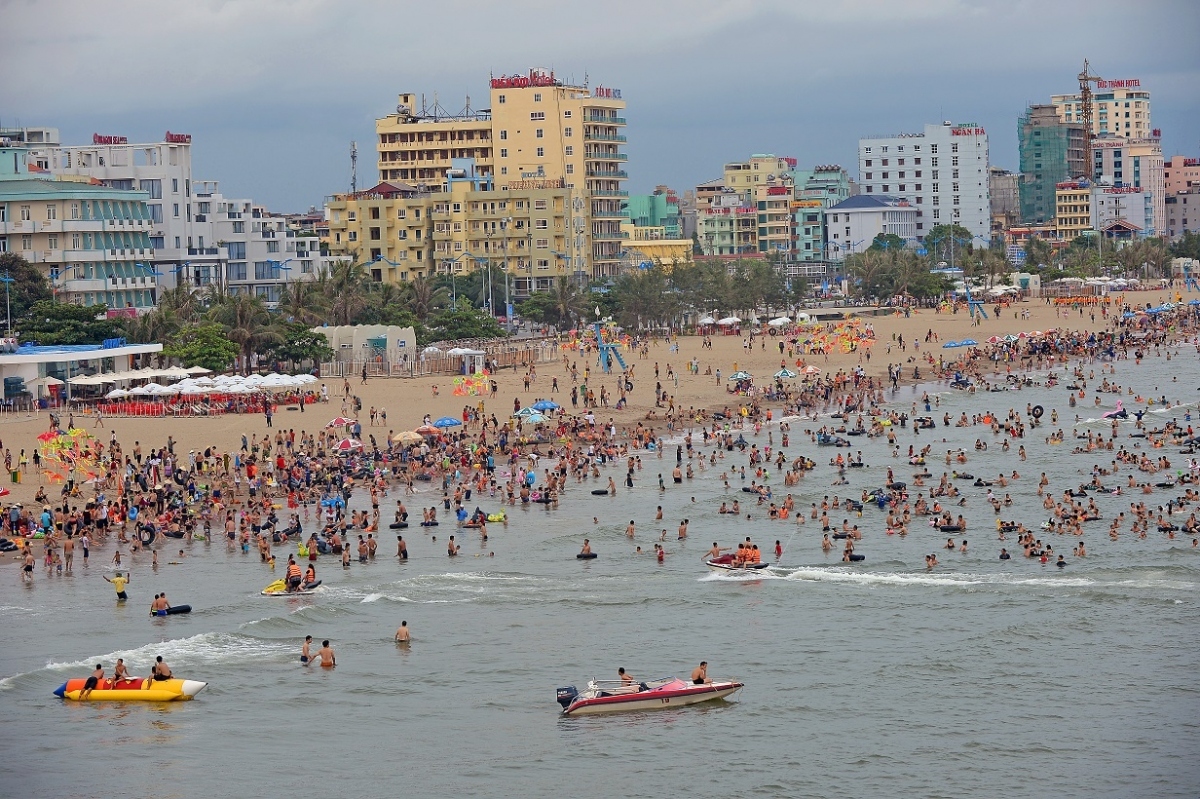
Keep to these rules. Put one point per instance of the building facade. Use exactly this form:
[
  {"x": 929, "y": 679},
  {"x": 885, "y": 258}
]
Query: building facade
[
  {"x": 1073, "y": 209},
  {"x": 403, "y": 233},
  {"x": 1119, "y": 108},
  {"x": 1183, "y": 213},
  {"x": 1134, "y": 164},
  {"x": 854, "y": 223},
  {"x": 1051, "y": 152},
  {"x": 1181, "y": 174},
  {"x": 816, "y": 189},
  {"x": 92, "y": 242},
  {"x": 728, "y": 225},
  {"x": 538, "y": 130},
  {"x": 942, "y": 173}
]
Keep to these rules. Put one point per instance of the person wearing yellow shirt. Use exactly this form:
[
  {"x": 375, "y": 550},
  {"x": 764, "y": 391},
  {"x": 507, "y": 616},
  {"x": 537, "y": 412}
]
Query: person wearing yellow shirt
[{"x": 119, "y": 582}]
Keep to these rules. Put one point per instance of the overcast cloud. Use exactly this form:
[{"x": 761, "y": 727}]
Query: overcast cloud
[{"x": 274, "y": 91}]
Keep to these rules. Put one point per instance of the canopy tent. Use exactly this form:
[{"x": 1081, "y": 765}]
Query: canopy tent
[{"x": 728, "y": 320}]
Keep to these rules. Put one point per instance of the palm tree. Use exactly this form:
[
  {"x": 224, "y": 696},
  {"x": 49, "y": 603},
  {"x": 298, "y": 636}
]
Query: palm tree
[
  {"x": 567, "y": 302},
  {"x": 424, "y": 298},
  {"x": 247, "y": 323},
  {"x": 346, "y": 286},
  {"x": 183, "y": 301},
  {"x": 303, "y": 301},
  {"x": 869, "y": 267}
]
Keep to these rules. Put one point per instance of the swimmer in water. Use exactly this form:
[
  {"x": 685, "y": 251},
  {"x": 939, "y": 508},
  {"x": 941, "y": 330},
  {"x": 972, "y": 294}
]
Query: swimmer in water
[
  {"x": 328, "y": 659},
  {"x": 305, "y": 654},
  {"x": 402, "y": 634}
]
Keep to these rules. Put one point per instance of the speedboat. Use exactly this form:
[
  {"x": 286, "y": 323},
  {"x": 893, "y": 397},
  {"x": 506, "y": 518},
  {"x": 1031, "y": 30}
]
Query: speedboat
[
  {"x": 139, "y": 689},
  {"x": 726, "y": 563},
  {"x": 615, "y": 696}
]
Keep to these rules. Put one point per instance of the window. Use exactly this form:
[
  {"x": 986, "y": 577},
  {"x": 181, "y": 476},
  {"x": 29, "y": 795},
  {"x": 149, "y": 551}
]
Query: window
[
  {"x": 306, "y": 267},
  {"x": 537, "y": 97},
  {"x": 174, "y": 185},
  {"x": 918, "y": 188},
  {"x": 935, "y": 177},
  {"x": 500, "y": 99},
  {"x": 953, "y": 148},
  {"x": 537, "y": 116},
  {"x": 239, "y": 227},
  {"x": 538, "y": 133},
  {"x": 570, "y": 169},
  {"x": 177, "y": 242},
  {"x": 870, "y": 189},
  {"x": 566, "y": 114},
  {"x": 954, "y": 160},
  {"x": 936, "y": 199},
  {"x": 884, "y": 162},
  {"x": 235, "y": 271},
  {"x": 25, "y": 213},
  {"x": 541, "y": 224},
  {"x": 884, "y": 188},
  {"x": 374, "y": 212},
  {"x": 273, "y": 246},
  {"x": 884, "y": 148},
  {"x": 901, "y": 187},
  {"x": 868, "y": 176},
  {"x": 266, "y": 270},
  {"x": 504, "y": 135},
  {"x": 176, "y": 210},
  {"x": 933, "y": 149},
  {"x": 567, "y": 131},
  {"x": 503, "y": 170},
  {"x": 399, "y": 213},
  {"x": 539, "y": 205},
  {"x": 457, "y": 208},
  {"x": 541, "y": 152},
  {"x": 885, "y": 175},
  {"x": 352, "y": 216},
  {"x": 936, "y": 213},
  {"x": 542, "y": 244},
  {"x": 569, "y": 150},
  {"x": 52, "y": 241},
  {"x": 504, "y": 152},
  {"x": 352, "y": 236},
  {"x": 866, "y": 149},
  {"x": 26, "y": 242},
  {"x": 75, "y": 241}
]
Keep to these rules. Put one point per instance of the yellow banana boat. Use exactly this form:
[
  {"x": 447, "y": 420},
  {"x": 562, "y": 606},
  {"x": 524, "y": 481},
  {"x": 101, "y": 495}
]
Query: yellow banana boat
[{"x": 136, "y": 690}]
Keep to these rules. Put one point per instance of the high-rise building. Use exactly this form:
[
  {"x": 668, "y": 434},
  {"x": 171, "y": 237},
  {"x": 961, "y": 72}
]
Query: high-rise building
[
  {"x": 1004, "y": 191},
  {"x": 92, "y": 242},
  {"x": 1119, "y": 108},
  {"x": 1126, "y": 164},
  {"x": 538, "y": 132},
  {"x": 942, "y": 173},
  {"x": 1052, "y": 152},
  {"x": 854, "y": 223}
]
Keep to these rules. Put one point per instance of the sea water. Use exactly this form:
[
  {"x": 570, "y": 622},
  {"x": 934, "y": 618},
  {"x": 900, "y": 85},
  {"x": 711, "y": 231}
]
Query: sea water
[{"x": 979, "y": 678}]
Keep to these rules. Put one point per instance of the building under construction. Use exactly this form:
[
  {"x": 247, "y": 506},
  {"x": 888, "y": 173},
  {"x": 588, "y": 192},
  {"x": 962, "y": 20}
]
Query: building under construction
[{"x": 1051, "y": 152}]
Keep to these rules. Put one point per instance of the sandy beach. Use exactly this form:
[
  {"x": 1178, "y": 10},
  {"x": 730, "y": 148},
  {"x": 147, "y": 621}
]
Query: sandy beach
[{"x": 407, "y": 400}]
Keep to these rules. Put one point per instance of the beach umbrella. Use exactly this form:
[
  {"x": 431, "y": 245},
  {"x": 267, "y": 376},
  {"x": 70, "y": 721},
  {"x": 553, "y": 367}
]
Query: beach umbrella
[
  {"x": 779, "y": 320},
  {"x": 707, "y": 320},
  {"x": 347, "y": 445},
  {"x": 407, "y": 437},
  {"x": 784, "y": 374},
  {"x": 521, "y": 414},
  {"x": 198, "y": 370},
  {"x": 447, "y": 421},
  {"x": 116, "y": 393},
  {"x": 428, "y": 430},
  {"x": 728, "y": 320},
  {"x": 994, "y": 340},
  {"x": 969, "y": 342},
  {"x": 534, "y": 418},
  {"x": 1022, "y": 334},
  {"x": 545, "y": 405},
  {"x": 140, "y": 391},
  {"x": 811, "y": 370},
  {"x": 431, "y": 350},
  {"x": 1010, "y": 338},
  {"x": 949, "y": 345},
  {"x": 741, "y": 375},
  {"x": 340, "y": 421}
]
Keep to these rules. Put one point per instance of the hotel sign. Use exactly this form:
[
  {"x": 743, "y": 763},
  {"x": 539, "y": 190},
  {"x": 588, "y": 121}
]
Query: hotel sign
[
  {"x": 177, "y": 138},
  {"x": 1123, "y": 190},
  {"x": 606, "y": 93},
  {"x": 534, "y": 78},
  {"x": 967, "y": 130},
  {"x": 806, "y": 203},
  {"x": 539, "y": 183},
  {"x": 98, "y": 139},
  {"x": 1129, "y": 83}
]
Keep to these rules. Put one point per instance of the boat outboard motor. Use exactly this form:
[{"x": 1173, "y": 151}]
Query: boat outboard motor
[{"x": 567, "y": 695}]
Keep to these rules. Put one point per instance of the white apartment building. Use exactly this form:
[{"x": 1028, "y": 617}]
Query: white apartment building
[
  {"x": 258, "y": 252},
  {"x": 1127, "y": 164},
  {"x": 853, "y": 224},
  {"x": 1122, "y": 210},
  {"x": 942, "y": 172},
  {"x": 199, "y": 236}
]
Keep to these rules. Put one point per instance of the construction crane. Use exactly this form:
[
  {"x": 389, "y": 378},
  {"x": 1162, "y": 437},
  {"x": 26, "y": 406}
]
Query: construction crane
[{"x": 1086, "y": 79}]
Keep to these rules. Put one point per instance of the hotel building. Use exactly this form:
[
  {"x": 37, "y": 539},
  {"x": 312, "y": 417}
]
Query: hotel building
[
  {"x": 1119, "y": 108},
  {"x": 538, "y": 133},
  {"x": 942, "y": 173}
]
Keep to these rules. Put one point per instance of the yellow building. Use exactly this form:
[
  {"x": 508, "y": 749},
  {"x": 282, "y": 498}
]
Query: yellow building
[
  {"x": 538, "y": 129},
  {"x": 650, "y": 244},
  {"x": 403, "y": 232},
  {"x": 1072, "y": 209},
  {"x": 1120, "y": 108},
  {"x": 744, "y": 177}
]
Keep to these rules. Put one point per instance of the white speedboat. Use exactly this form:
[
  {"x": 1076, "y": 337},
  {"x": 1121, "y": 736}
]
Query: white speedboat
[
  {"x": 615, "y": 696},
  {"x": 726, "y": 563}
]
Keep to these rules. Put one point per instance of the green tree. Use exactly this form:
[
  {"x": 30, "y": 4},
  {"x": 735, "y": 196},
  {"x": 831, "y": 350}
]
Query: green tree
[
  {"x": 1187, "y": 246},
  {"x": 947, "y": 242},
  {"x": 304, "y": 301},
  {"x": 298, "y": 344},
  {"x": 889, "y": 242},
  {"x": 28, "y": 286},
  {"x": 463, "y": 323},
  {"x": 1038, "y": 253},
  {"x": 247, "y": 323},
  {"x": 346, "y": 287},
  {"x": 48, "y": 322},
  {"x": 204, "y": 345}
]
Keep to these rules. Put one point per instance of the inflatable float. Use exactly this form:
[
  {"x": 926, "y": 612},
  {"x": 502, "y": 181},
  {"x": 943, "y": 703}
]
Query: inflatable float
[
  {"x": 586, "y": 556},
  {"x": 172, "y": 611},
  {"x": 137, "y": 690},
  {"x": 279, "y": 588}
]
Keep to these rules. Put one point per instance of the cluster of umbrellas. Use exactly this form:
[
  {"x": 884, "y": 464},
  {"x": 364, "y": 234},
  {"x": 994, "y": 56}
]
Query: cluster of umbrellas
[
  {"x": 173, "y": 373},
  {"x": 431, "y": 350},
  {"x": 222, "y": 384},
  {"x": 535, "y": 413},
  {"x": 788, "y": 374}
]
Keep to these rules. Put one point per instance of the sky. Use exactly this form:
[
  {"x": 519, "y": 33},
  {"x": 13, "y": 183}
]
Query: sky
[{"x": 274, "y": 91}]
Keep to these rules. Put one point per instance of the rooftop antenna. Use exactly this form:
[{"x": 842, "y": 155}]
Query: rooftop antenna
[{"x": 353, "y": 167}]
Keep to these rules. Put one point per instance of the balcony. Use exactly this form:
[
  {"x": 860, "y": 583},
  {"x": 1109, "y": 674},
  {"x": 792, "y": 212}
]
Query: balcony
[
  {"x": 203, "y": 251},
  {"x": 608, "y": 235},
  {"x": 596, "y": 156},
  {"x": 610, "y": 193},
  {"x": 613, "y": 137},
  {"x": 611, "y": 174},
  {"x": 609, "y": 215},
  {"x": 91, "y": 284},
  {"x": 592, "y": 119}
]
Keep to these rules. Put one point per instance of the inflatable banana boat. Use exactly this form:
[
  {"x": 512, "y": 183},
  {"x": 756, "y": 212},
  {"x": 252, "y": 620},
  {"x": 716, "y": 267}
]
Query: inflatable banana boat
[{"x": 141, "y": 689}]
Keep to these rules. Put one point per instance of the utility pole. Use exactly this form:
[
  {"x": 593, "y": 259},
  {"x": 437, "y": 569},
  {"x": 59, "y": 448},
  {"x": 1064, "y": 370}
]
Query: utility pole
[{"x": 353, "y": 167}]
